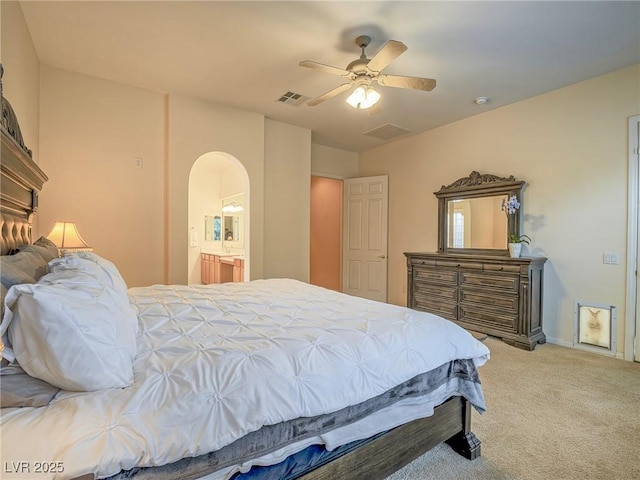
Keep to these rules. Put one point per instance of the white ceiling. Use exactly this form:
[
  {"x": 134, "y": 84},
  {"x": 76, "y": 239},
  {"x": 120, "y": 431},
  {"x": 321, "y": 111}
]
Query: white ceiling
[{"x": 246, "y": 54}]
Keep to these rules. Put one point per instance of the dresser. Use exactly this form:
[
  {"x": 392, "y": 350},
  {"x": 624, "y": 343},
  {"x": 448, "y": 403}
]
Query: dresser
[
  {"x": 221, "y": 268},
  {"x": 496, "y": 295}
]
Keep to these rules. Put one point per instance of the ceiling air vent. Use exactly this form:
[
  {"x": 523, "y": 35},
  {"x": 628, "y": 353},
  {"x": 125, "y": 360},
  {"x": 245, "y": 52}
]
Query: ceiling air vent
[
  {"x": 387, "y": 132},
  {"x": 291, "y": 98}
]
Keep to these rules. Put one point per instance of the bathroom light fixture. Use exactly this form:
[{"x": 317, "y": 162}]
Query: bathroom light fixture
[
  {"x": 66, "y": 237},
  {"x": 363, "y": 97},
  {"x": 232, "y": 207}
]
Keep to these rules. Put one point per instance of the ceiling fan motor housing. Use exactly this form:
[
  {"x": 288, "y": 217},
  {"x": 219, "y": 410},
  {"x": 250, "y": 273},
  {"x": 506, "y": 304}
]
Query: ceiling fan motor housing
[{"x": 359, "y": 66}]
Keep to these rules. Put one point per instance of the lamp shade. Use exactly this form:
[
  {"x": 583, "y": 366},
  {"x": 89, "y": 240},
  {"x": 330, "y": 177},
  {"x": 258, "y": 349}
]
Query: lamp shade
[
  {"x": 66, "y": 237},
  {"x": 363, "y": 97}
]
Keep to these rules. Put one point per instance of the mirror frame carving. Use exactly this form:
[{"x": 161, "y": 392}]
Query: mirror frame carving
[{"x": 474, "y": 186}]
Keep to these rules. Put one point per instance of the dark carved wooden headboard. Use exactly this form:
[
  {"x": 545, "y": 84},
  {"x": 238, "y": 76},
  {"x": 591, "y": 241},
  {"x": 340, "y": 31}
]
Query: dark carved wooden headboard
[{"x": 20, "y": 181}]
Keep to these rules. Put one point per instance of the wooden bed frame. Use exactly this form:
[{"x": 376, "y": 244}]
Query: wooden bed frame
[
  {"x": 387, "y": 453},
  {"x": 22, "y": 179}
]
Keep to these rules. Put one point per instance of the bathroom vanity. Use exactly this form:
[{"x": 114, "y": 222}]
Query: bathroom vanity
[{"x": 221, "y": 268}]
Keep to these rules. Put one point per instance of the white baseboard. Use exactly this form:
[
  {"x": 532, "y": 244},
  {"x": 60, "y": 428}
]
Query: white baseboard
[{"x": 559, "y": 341}]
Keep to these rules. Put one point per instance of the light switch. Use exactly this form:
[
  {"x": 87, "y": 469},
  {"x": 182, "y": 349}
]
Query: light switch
[{"x": 611, "y": 258}]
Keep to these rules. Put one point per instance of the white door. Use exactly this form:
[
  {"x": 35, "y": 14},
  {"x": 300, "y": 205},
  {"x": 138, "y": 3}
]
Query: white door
[{"x": 364, "y": 268}]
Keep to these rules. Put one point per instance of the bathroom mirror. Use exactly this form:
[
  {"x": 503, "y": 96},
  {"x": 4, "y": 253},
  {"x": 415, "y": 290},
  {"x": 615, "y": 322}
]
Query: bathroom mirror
[
  {"x": 470, "y": 215},
  {"x": 212, "y": 228},
  {"x": 233, "y": 221},
  {"x": 231, "y": 228}
]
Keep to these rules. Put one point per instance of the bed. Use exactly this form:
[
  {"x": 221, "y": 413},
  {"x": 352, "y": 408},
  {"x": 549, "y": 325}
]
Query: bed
[{"x": 267, "y": 379}]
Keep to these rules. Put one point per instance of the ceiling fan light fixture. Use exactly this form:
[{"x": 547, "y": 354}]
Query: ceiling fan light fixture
[{"x": 363, "y": 97}]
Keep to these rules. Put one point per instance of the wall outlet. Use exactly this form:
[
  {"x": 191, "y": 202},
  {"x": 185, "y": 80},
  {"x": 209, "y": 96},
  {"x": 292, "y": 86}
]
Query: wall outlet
[
  {"x": 139, "y": 162},
  {"x": 611, "y": 258}
]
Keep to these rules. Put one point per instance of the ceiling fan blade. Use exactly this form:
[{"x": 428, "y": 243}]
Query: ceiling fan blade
[
  {"x": 416, "y": 83},
  {"x": 324, "y": 68},
  {"x": 331, "y": 93},
  {"x": 391, "y": 50}
]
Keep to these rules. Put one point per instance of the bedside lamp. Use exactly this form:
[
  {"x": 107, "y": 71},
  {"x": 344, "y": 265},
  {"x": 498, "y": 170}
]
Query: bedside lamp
[{"x": 66, "y": 237}]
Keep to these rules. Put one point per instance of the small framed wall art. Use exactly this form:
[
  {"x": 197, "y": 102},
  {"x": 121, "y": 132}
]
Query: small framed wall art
[{"x": 595, "y": 327}]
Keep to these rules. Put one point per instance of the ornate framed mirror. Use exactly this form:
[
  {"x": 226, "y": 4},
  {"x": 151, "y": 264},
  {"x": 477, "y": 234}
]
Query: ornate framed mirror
[{"x": 471, "y": 214}]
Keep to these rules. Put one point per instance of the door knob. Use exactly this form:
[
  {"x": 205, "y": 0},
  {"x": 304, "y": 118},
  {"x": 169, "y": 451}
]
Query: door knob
[{"x": 382, "y": 256}]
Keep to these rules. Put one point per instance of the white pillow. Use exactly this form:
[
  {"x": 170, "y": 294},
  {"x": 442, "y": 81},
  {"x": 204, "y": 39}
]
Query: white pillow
[
  {"x": 93, "y": 264},
  {"x": 72, "y": 330}
]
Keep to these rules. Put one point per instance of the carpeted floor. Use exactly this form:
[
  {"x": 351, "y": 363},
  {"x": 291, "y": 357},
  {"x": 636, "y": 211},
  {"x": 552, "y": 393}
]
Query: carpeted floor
[{"x": 554, "y": 413}]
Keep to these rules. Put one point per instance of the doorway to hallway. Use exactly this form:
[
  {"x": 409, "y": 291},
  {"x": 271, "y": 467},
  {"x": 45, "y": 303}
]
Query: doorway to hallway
[{"x": 326, "y": 232}]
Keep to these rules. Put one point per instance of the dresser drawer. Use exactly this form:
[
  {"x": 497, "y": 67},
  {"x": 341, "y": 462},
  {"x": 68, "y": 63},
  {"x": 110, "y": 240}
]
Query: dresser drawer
[
  {"x": 490, "y": 280},
  {"x": 429, "y": 290},
  {"x": 458, "y": 264},
  {"x": 487, "y": 317},
  {"x": 435, "y": 306},
  {"x": 503, "y": 301},
  {"x": 426, "y": 274},
  {"x": 503, "y": 268}
]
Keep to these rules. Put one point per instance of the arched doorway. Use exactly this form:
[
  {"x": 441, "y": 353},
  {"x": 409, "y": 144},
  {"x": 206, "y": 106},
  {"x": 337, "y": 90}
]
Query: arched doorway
[{"x": 216, "y": 177}]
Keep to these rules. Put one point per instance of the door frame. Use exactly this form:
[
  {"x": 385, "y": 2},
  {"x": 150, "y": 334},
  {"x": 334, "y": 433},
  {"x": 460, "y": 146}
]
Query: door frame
[{"x": 632, "y": 318}]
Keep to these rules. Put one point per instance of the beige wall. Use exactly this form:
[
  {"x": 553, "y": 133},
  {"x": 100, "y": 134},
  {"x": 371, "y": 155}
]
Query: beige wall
[
  {"x": 570, "y": 146},
  {"x": 333, "y": 162},
  {"x": 92, "y": 131},
  {"x": 196, "y": 128},
  {"x": 287, "y": 177},
  {"x": 21, "y": 72},
  {"x": 21, "y": 76}
]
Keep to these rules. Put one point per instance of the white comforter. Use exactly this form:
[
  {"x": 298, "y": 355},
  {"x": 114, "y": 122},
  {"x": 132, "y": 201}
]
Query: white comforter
[{"x": 216, "y": 362}]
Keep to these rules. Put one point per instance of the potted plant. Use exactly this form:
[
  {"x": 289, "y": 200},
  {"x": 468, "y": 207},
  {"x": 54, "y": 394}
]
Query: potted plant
[
  {"x": 519, "y": 238},
  {"x": 514, "y": 240},
  {"x": 515, "y": 244}
]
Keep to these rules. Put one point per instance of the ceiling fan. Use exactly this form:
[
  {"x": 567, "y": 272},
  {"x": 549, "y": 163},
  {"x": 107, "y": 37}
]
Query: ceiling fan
[{"x": 363, "y": 71}]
